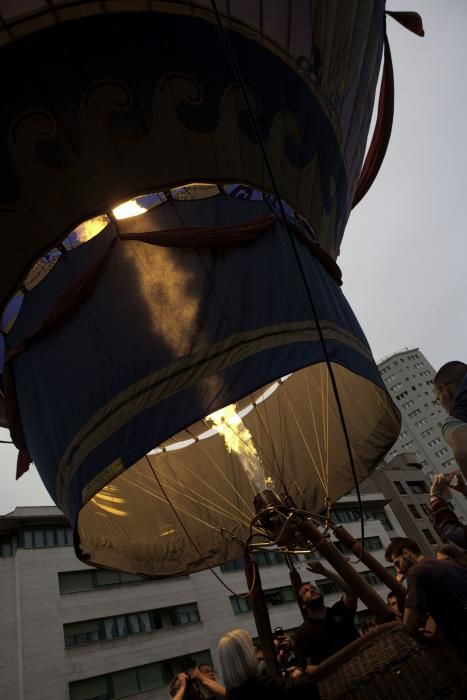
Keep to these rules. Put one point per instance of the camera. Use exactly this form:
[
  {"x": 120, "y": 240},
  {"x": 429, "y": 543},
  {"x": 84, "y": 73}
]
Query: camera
[{"x": 281, "y": 638}]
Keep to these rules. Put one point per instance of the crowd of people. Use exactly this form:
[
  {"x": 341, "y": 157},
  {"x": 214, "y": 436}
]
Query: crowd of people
[{"x": 435, "y": 604}]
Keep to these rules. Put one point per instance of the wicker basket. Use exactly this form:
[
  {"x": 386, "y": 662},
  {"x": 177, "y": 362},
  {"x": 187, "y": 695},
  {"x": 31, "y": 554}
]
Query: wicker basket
[{"x": 391, "y": 664}]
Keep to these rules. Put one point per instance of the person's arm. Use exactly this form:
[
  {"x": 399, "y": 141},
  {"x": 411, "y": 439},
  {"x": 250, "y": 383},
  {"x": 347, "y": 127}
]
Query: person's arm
[
  {"x": 415, "y": 614},
  {"x": 310, "y": 667},
  {"x": 208, "y": 683},
  {"x": 414, "y": 617},
  {"x": 349, "y": 598},
  {"x": 459, "y": 485},
  {"x": 180, "y": 686},
  {"x": 445, "y": 520},
  {"x": 458, "y": 441}
]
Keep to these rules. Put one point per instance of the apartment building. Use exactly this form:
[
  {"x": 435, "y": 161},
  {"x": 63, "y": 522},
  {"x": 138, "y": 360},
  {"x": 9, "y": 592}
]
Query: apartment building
[{"x": 71, "y": 632}]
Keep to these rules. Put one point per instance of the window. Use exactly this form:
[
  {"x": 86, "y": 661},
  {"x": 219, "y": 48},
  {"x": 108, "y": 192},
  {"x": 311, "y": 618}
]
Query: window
[
  {"x": 353, "y": 516},
  {"x": 87, "y": 580},
  {"x": 418, "y": 365},
  {"x": 269, "y": 558},
  {"x": 263, "y": 559},
  {"x": 235, "y": 565},
  {"x": 426, "y": 433},
  {"x": 327, "y": 587},
  {"x": 434, "y": 442},
  {"x": 447, "y": 464},
  {"x": 5, "y": 547},
  {"x": 417, "y": 487},
  {"x": 442, "y": 452},
  {"x": 421, "y": 422},
  {"x": 415, "y": 413},
  {"x": 53, "y": 537},
  {"x": 135, "y": 680},
  {"x": 429, "y": 536},
  {"x": 400, "y": 487},
  {"x": 240, "y": 605},
  {"x": 141, "y": 622},
  {"x": 425, "y": 509},
  {"x": 184, "y": 614},
  {"x": 371, "y": 578},
  {"x": 426, "y": 373},
  {"x": 273, "y": 597},
  {"x": 383, "y": 518},
  {"x": 414, "y": 511},
  {"x": 371, "y": 545},
  {"x": 408, "y": 404},
  {"x": 408, "y": 445}
]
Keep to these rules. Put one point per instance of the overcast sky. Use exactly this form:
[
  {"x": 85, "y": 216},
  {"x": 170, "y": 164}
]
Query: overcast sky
[{"x": 404, "y": 254}]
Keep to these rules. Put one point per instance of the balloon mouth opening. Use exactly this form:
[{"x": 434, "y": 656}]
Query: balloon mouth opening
[{"x": 167, "y": 514}]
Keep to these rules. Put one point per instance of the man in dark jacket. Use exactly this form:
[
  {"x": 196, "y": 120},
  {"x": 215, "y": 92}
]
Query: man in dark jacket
[
  {"x": 434, "y": 587},
  {"x": 325, "y": 630}
]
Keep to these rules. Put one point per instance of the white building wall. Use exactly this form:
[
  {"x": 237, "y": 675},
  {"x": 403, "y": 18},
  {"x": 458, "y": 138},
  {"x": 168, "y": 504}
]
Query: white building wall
[
  {"x": 9, "y": 618},
  {"x": 33, "y": 612}
]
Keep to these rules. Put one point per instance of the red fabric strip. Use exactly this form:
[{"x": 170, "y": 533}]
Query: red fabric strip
[
  {"x": 409, "y": 20},
  {"x": 382, "y": 132},
  {"x": 205, "y": 236}
]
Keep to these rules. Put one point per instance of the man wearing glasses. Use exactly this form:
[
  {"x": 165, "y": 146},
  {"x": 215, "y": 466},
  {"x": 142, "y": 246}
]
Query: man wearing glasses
[{"x": 450, "y": 386}]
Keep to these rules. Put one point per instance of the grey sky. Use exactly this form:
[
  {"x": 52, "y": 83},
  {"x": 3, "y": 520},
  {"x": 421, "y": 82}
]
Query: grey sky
[{"x": 405, "y": 250}]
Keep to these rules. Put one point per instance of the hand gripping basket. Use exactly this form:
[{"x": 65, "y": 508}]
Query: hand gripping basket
[{"x": 392, "y": 664}]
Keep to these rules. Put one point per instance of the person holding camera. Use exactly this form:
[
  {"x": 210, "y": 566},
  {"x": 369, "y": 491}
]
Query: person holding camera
[
  {"x": 239, "y": 666},
  {"x": 198, "y": 683},
  {"x": 445, "y": 520}
]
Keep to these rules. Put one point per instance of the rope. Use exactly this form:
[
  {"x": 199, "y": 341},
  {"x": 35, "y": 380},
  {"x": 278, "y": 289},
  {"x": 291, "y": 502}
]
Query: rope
[
  {"x": 195, "y": 546},
  {"x": 236, "y": 69}
]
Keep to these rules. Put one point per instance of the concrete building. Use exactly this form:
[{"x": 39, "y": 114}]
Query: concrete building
[
  {"x": 409, "y": 379},
  {"x": 406, "y": 487},
  {"x": 70, "y": 632}
]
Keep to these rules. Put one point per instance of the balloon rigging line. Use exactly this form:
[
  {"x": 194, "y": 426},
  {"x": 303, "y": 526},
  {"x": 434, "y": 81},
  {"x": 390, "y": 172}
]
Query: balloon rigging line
[
  {"x": 212, "y": 460},
  {"x": 282, "y": 423},
  {"x": 269, "y": 463},
  {"x": 219, "y": 510},
  {"x": 297, "y": 423},
  {"x": 326, "y": 489},
  {"x": 222, "y": 474},
  {"x": 164, "y": 500},
  {"x": 215, "y": 507},
  {"x": 238, "y": 74},
  {"x": 269, "y": 431},
  {"x": 195, "y": 546},
  {"x": 258, "y": 414}
]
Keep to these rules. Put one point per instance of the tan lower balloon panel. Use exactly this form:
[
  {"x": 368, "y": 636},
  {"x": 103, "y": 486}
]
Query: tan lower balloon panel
[{"x": 164, "y": 516}]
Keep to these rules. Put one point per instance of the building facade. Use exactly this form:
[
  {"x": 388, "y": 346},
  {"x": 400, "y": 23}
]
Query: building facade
[
  {"x": 408, "y": 376},
  {"x": 406, "y": 488},
  {"x": 71, "y": 632}
]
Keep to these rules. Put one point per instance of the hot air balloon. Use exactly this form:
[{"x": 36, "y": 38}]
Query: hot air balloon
[
  {"x": 175, "y": 183},
  {"x": 178, "y": 358}
]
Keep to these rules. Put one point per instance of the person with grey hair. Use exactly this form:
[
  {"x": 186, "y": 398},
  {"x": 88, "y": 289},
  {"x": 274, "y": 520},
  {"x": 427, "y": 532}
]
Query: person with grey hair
[{"x": 239, "y": 666}]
